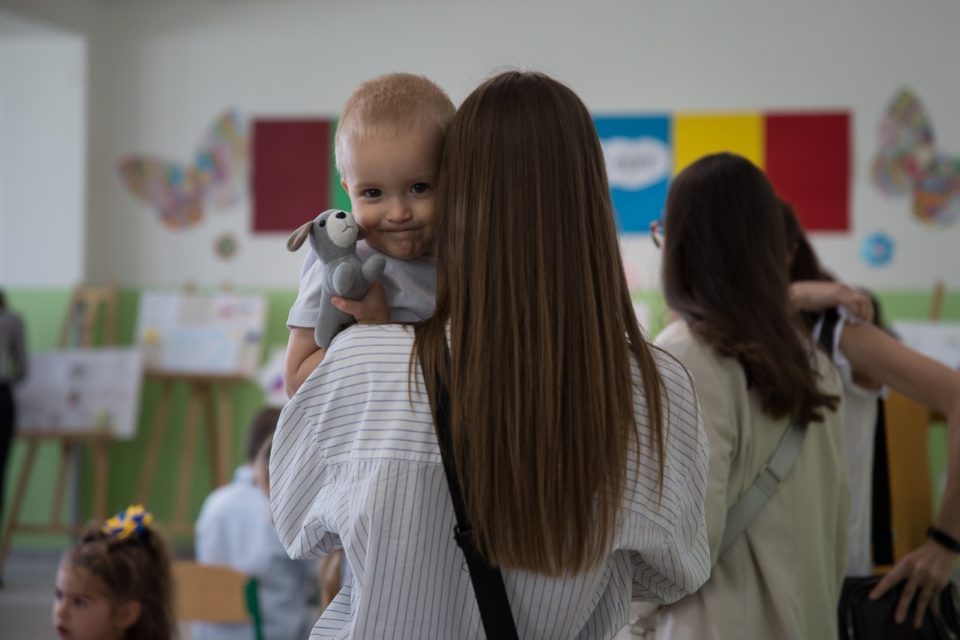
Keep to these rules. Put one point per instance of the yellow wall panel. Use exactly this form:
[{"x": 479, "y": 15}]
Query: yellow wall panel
[{"x": 698, "y": 134}]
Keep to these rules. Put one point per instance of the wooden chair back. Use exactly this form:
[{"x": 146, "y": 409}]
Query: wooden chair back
[
  {"x": 911, "y": 497},
  {"x": 210, "y": 593}
]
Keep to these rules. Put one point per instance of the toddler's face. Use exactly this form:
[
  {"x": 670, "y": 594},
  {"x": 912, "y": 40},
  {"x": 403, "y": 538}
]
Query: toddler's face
[
  {"x": 82, "y": 609},
  {"x": 392, "y": 187}
]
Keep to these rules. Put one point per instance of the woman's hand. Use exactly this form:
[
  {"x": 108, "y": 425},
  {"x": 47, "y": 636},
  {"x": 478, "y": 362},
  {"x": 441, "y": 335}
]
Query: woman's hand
[
  {"x": 370, "y": 309},
  {"x": 815, "y": 295},
  {"x": 927, "y": 571}
]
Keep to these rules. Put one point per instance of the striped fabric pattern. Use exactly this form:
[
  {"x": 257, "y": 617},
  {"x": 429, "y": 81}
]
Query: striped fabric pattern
[{"x": 355, "y": 464}]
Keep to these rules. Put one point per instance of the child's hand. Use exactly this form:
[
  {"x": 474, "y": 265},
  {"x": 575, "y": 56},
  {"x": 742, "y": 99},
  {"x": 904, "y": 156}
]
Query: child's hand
[{"x": 370, "y": 309}]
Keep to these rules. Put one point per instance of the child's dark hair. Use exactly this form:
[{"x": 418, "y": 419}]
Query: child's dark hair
[
  {"x": 261, "y": 429},
  {"x": 132, "y": 567}
]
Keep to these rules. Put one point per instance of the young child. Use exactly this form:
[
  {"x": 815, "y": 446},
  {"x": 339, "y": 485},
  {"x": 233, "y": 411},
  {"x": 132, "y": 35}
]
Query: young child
[
  {"x": 235, "y": 529},
  {"x": 115, "y": 583},
  {"x": 387, "y": 146}
]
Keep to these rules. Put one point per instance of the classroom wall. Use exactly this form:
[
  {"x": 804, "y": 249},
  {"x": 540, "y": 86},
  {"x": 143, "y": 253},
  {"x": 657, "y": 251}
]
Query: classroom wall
[
  {"x": 162, "y": 70},
  {"x": 42, "y": 154},
  {"x": 159, "y": 71}
]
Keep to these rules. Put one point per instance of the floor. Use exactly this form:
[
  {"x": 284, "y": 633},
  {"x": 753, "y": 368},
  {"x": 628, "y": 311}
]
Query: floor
[{"x": 27, "y": 596}]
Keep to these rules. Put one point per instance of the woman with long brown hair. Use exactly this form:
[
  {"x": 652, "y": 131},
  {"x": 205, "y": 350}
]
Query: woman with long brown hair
[
  {"x": 579, "y": 449},
  {"x": 776, "y": 573}
]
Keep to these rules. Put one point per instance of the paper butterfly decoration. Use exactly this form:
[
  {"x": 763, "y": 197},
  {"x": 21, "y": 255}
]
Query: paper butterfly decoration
[
  {"x": 180, "y": 194},
  {"x": 908, "y": 163}
]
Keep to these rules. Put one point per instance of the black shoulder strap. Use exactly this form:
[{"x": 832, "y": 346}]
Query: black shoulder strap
[
  {"x": 487, "y": 581},
  {"x": 881, "y": 516},
  {"x": 828, "y": 330}
]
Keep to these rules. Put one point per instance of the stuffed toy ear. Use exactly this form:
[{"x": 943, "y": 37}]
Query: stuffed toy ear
[{"x": 297, "y": 237}]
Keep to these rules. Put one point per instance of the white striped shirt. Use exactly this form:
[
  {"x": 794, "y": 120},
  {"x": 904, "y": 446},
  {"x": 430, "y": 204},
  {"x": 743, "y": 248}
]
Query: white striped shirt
[{"x": 355, "y": 463}]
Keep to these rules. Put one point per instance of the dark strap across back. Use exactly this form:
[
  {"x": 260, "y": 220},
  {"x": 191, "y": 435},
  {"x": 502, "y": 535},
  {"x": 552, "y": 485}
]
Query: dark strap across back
[{"x": 487, "y": 581}]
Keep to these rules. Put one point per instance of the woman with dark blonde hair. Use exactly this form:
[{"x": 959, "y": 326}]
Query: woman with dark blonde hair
[
  {"x": 766, "y": 393},
  {"x": 578, "y": 448}
]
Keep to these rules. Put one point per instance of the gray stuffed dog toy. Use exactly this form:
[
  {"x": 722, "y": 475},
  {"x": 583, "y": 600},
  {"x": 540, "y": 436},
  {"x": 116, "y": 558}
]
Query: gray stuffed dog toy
[{"x": 333, "y": 237}]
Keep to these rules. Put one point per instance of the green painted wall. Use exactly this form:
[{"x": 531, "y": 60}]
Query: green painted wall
[{"x": 43, "y": 311}]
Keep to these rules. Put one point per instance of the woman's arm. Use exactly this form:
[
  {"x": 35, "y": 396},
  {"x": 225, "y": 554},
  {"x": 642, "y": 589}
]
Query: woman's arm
[{"x": 877, "y": 355}]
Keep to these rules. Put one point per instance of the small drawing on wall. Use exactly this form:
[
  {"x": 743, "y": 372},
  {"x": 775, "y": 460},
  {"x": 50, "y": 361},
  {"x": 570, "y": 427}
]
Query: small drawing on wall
[
  {"x": 180, "y": 193},
  {"x": 877, "y": 249},
  {"x": 225, "y": 246},
  {"x": 908, "y": 163}
]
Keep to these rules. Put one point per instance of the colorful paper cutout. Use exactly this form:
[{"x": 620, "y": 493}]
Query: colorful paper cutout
[
  {"x": 877, "y": 249},
  {"x": 225, "y": 246},
  {"x": 180, "y": 194},
  {"x": 908, "y": 163}
]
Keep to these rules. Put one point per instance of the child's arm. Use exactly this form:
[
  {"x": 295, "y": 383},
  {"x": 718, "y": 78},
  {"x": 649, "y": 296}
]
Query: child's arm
[
  {"x": 303, "y": 356},
  {"x": 821, "y": 295}
]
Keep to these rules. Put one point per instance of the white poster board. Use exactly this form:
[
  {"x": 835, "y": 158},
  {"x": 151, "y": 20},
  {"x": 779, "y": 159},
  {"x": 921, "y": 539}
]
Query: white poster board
[
  {"x": 82, "y": 390},
  {"x": 200, "y": 334},
  {"x": 939, "y": 341}
]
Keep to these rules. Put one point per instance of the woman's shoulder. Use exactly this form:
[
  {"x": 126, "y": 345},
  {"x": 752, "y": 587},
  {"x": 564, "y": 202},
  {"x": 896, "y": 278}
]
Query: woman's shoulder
[
  {"x": 698, "y": 356},
  {"x": 362, "y": 339},
  {"x": 361, "y": 349},
  {"x": 831, "y": 378}
]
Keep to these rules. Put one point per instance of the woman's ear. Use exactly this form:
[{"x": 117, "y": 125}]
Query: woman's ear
[{"x": 126, "y": 615}]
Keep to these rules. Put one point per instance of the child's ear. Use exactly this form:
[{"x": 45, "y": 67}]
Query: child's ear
[
  {"x": 343, "y": 183},
  {"x": 126, "y": 615}
]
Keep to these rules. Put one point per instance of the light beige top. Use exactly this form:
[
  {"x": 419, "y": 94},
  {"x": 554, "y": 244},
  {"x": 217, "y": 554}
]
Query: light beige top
[{"x": 782, "y": 578}]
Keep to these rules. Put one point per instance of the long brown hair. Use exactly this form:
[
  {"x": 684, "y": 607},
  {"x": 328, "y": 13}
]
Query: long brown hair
[
  {"x": 133, "y": 568},
  {"x": 542, "y": 328},
  {"x": 804, "y": 263},
  {"x": 725, "y": 261}
]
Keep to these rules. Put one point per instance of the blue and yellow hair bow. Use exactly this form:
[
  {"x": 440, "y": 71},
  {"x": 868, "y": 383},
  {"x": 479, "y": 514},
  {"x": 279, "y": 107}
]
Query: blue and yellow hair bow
[{"x": 126, "y": 523}]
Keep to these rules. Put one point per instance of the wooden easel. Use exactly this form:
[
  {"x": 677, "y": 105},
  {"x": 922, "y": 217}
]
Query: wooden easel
[
  {"x": 207, "y": 395},
  {"x": 80, "y": 327},
  {"x": 209, "y": 408}
]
